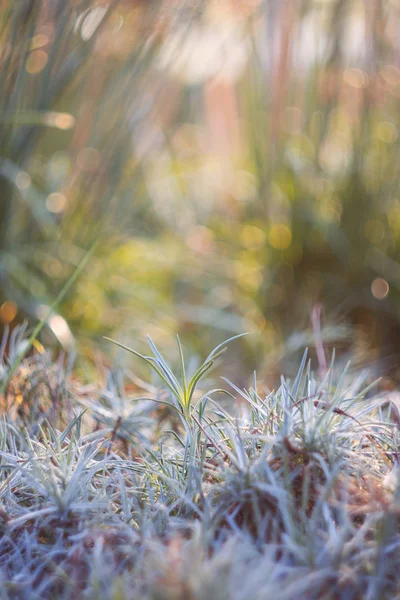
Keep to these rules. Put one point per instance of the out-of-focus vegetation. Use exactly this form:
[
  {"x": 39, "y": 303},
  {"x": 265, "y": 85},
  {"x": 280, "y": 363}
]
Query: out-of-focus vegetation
[{"x": 237, "y": 160}]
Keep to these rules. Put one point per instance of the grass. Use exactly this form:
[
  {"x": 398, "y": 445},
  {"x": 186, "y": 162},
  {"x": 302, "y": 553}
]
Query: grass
[
  {"x": 237, "y": 197},
  {"x": 50, "y": 59},
  {"x": 182, "y": 392},
  {"x": 155, "y": 490}
]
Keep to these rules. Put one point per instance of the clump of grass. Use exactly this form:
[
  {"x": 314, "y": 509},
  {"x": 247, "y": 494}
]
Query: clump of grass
[
  {"x": 182, "y": 392},
  {"x": 288, "y": 493}
]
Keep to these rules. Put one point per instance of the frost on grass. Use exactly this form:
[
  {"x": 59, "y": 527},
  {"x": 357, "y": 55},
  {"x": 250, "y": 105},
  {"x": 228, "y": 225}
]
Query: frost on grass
[{"x": 155, "y": 491}]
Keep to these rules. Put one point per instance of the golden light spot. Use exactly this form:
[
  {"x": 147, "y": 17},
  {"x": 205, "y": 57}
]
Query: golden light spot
[
  {"x": 374, "y": 231},
  {"x": 251, "y": 280},
  {"x": 62, "y": 121},
  {"x": 39, "y": 40},
  {"x": 355, "y": 78},
  {"x": 248, "y": 274},
  {"x": 380, "y": 288},
  {"x": 38, "y": 346},
  {"x": 23, "y": 180},
  {"x": 19, "y": 399},
  {"x": 280, "y": 236},
  {"x": 56, "y": 202},
  {"x": 8, "y": 311},
  {"x": 252, "y": 237},
  {"x": 36, "y": 62},
  {"x": 387, "y": 132},
  {"x": 88, "y": 159}
]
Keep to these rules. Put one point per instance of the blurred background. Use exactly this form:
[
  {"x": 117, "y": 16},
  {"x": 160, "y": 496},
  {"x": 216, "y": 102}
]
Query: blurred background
[{"x": 237, "y": 161}]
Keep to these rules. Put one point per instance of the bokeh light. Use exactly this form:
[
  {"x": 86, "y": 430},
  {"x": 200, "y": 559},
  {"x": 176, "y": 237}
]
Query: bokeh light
[
  {"x": 8, "y": 312},
  {"x": 235, "y": 161},
  {"x": 380, "y": 288},
  {"x": 36, "y": 62}
]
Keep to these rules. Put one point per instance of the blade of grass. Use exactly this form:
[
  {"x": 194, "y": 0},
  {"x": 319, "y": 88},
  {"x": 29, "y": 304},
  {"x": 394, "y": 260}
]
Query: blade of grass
[{"x": 43, "y": 322}]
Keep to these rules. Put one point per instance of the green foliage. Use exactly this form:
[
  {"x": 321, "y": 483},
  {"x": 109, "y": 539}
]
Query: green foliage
[
  {"x": 53, "y": 156},
  {"x": 183, "y": 391},
  {"x": 229, "y": 189}
]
